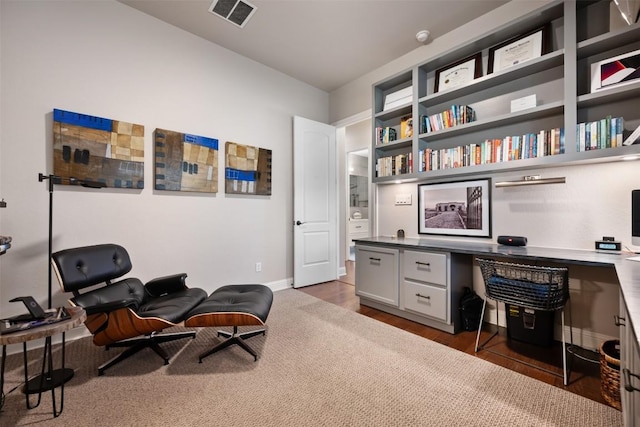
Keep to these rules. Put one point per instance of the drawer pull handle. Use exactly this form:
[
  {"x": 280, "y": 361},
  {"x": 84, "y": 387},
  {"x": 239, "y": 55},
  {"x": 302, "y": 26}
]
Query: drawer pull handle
[
  {"x": 423, "y": 263},
  {"x": 627, "y": 380},
  {"x": 374, "y": 259},
  {"x": 619, "y": 321},
  {"x": 423, "y": 296}
]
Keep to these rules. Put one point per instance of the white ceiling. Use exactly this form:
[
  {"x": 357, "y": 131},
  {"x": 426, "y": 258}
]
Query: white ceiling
[{"x": 325, "y": 43}]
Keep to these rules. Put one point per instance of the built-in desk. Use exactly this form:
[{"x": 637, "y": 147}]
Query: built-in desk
[{"x": 628, "y": 273}]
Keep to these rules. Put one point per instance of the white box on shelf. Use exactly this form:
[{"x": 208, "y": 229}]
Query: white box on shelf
[
  {"x": 398, "y": 98},
  {"x": 523, "y": 103}
]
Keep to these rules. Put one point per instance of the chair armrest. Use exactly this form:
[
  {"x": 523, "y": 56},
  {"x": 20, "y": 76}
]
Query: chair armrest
[
  {"x": 108, "y": 307},
  {"x": 166, "y": 285}
]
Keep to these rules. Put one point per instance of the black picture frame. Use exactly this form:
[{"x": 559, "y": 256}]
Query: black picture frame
[
  {"x": 539, "y": 36},
  {"x": 442, "y": 74},
  {"x": 455, "y": 208}
]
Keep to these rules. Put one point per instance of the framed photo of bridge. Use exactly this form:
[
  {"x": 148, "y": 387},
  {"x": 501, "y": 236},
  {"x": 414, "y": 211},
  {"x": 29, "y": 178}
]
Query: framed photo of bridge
[{"x": 461, "y": 208}]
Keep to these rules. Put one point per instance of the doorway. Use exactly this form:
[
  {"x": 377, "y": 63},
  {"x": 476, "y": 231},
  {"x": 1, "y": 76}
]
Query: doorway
[
  {"x": 358, "y": 225},
  {"x": 354, "y": 138}
]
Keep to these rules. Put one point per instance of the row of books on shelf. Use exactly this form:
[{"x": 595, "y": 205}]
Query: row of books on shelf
[
  {"x": 532, "y": 145},
  {"x": 385, "y": 135},
  {"x": 394, "y": 165},
  {"x": 456, "y": 115},
  {"x": 605, "y": 133}
]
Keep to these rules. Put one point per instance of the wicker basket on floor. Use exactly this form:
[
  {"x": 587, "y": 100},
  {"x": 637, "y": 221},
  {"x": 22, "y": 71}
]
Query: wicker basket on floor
[{"x": 610, "y": 372}]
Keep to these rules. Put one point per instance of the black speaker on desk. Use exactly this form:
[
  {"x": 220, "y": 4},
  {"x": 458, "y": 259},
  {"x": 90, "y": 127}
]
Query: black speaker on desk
[{"x": 512, "y": 240}]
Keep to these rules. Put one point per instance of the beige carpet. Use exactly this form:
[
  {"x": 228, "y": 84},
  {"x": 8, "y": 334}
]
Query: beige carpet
[{"x": 320, "y": 365}]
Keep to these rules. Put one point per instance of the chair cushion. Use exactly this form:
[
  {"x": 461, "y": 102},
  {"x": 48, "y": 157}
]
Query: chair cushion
[
  {"x": 79, "y": 268},
  {"x": 250, "y": 299},
  {"x": 172, "y": 307},
  {"x": 130, "y": 292}
]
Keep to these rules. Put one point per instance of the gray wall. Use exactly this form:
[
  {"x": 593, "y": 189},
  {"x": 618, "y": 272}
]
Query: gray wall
[
  {"x": 106, "y": 59},
  {"x": 356, "y": 96}
]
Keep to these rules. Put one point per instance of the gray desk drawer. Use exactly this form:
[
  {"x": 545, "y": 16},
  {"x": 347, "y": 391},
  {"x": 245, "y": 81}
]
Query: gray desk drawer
[
  {"x": 377, "y": 274},
  {"x": 426, "y": 267},
  {"x": 425, "y": 299}
]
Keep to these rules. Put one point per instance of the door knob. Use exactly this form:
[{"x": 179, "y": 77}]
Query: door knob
[{"x": 299, "y": 223}]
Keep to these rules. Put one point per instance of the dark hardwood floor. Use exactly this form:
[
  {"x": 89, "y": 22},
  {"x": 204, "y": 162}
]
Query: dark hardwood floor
[{"x": 584, "y": 379}]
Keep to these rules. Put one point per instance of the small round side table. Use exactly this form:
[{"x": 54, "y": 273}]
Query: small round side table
[{"x": 49, "y": 378}]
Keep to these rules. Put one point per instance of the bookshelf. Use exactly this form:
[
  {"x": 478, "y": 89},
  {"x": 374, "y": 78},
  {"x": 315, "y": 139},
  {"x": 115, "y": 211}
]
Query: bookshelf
[{"x": 577, "y": 36}]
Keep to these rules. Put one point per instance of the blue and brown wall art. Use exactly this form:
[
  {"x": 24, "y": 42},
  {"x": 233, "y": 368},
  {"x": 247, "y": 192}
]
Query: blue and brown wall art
[
  {"x": 96, "y": 149},
  {"x": 185, "y": 162},
  {"x": 247, "y": 170}
]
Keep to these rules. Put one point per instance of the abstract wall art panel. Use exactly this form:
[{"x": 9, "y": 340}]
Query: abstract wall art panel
[
  {"x": 247, "y": 170},
  {"x": 185, "y": 162},
  {"x": 97, "y": 149}
]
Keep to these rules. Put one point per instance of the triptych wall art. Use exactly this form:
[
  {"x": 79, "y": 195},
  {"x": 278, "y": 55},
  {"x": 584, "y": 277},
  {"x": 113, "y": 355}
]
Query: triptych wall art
[
  {"x": 247, "y": 170},
  {"x": 186, "y": 162},
  {"x": 98, "y": 149},
  {"x": 111, "y": 152}
]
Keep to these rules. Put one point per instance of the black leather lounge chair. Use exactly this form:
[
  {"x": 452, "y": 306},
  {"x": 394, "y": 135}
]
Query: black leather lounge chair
[{"x": 124, "y": 313}]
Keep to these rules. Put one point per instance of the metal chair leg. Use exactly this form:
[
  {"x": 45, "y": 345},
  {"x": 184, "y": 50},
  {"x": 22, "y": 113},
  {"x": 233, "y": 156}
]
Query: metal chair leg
[
  {"x": 566, "y": 364},
  {"x": 565, "y": 378},
  {"x": 234, "y": 338},
  {"x": 481, "y": 346},
  {"x": 484, "y": 304}
]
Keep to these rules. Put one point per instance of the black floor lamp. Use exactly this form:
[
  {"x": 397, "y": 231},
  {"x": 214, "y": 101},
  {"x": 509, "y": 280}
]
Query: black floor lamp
[
  {"x": 53, "y": 179},
  {"x": 52, "y": 378}
]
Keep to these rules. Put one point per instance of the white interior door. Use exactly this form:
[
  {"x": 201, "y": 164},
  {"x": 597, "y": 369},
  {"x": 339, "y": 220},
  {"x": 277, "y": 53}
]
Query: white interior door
[{"x": 315, "y": 207}]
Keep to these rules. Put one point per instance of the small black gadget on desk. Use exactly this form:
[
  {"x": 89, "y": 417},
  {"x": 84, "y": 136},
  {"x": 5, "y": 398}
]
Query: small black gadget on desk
[
  {"x": 512, "y": 240},
  {"x": 35, "y": 311},
  {"x": 608, "y": 244},
  {"x": 36, "y": 317}
]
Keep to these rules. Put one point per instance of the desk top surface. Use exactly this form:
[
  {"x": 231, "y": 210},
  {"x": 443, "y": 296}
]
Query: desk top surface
[
  {"x": 78, "y": 315},
  {"x": 628, "y": 272}
]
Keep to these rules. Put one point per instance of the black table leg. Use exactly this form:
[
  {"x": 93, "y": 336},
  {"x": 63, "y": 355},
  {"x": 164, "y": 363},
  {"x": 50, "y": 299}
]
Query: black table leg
[
  {"x": 4, "y": 357},
  {"x": 49, "y": 379}
]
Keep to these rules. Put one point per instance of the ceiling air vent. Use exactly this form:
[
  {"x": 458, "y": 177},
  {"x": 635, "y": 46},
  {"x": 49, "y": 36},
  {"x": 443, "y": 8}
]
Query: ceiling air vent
[{"x": 235, "y": 11}]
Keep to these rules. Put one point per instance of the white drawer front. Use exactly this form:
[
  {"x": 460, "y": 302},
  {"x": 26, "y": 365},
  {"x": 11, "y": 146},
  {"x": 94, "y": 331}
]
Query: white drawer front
[
  {"x": 425, "y": 299},
  {"x": 359, "y": 226},
  {"x": 426, "y": 267}
]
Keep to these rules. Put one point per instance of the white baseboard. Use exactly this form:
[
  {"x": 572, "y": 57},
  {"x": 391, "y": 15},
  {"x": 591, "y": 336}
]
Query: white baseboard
[{"x": 280, "y": 285}]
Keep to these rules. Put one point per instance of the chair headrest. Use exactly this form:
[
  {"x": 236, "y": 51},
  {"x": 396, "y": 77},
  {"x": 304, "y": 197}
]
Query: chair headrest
[{"x": 78, "y": 268}]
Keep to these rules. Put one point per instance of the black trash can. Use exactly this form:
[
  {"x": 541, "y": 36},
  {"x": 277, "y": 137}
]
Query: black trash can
[
  {"x": 530, "y": 326},
  {"x": 470, "y": 309}
]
